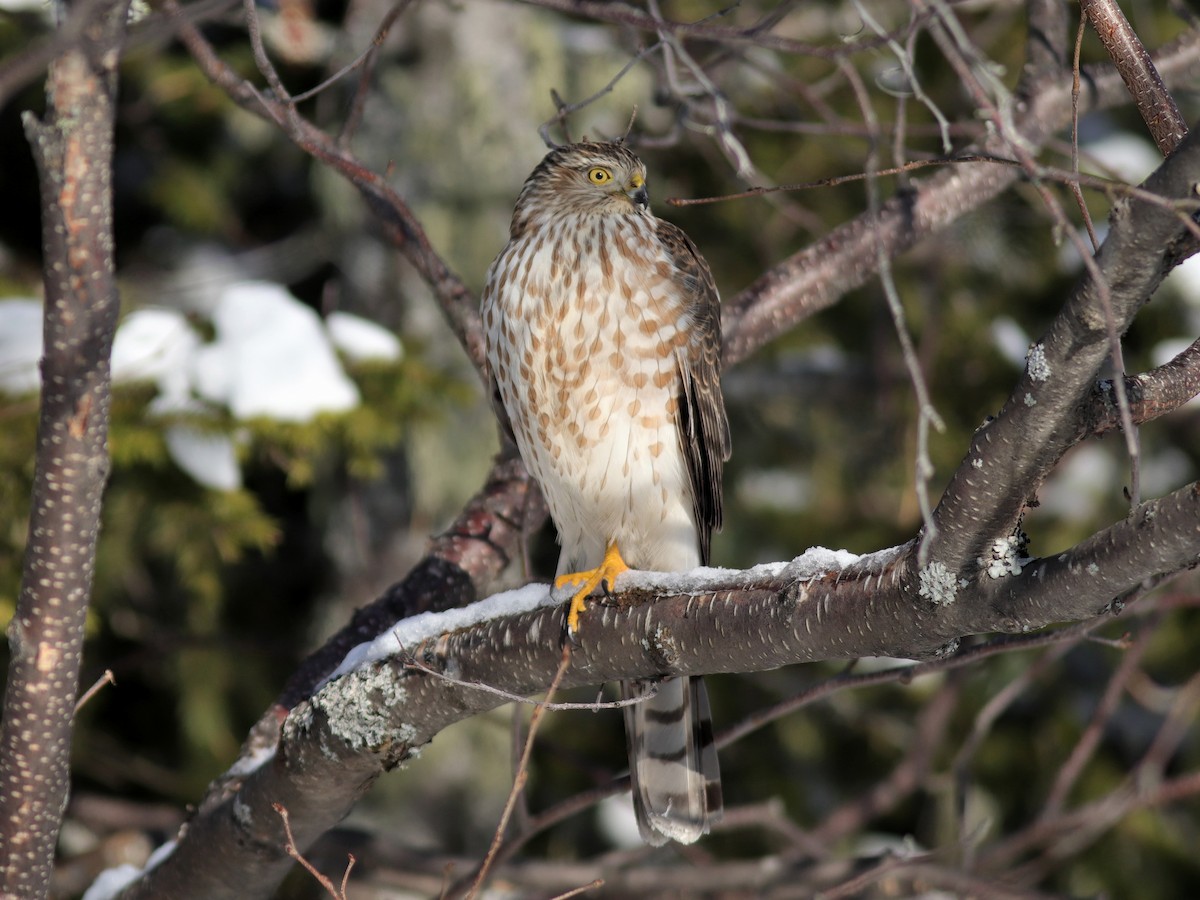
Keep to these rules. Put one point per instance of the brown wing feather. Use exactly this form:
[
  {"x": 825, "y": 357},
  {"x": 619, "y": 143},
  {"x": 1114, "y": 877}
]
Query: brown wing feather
[{"x": 703, "y": 426}]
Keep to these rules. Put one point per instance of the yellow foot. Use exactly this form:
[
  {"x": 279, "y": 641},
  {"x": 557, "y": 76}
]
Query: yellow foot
[{"x": 606, "y": 573}]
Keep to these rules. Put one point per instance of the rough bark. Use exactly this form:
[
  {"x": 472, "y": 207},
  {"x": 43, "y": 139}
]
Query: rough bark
[
  {"x": 333, "y": 746},
  {"x": 73, "y": 147}
]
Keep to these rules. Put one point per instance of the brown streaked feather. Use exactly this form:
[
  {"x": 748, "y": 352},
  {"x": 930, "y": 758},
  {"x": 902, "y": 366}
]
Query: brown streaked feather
[
  {"x": 580, "y": 257},
  {"x": 703, "y": 425}
]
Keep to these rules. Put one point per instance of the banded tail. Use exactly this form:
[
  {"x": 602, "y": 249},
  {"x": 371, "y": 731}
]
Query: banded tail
[{"x": 672, "y": 761}]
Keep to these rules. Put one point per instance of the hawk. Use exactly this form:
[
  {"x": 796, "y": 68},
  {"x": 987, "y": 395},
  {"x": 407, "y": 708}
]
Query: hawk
[{"x": 603, "y": 336}]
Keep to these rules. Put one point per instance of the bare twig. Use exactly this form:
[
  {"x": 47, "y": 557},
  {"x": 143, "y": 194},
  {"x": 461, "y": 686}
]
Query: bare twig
[
  {"x": 594, "y": 706},
  {"x": 322, "y": 879},
  {"x": 1070, "y": 770},
  {"x": 522, "y": 775},
  {"x": 563, "y": 110},
  {"x": 106, "y": 678},
  {"x": 598, "y": 883},
  {"x": 1075, "y": 188},
  {"x": 1137, "y": 69},
  {"x": 363, "y": 59},
  {"x": 458, "y": 304},
  {"x": 926, "y": 414}
]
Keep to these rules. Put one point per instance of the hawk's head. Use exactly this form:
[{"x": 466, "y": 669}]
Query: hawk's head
[{"x": 588, "y": 177}]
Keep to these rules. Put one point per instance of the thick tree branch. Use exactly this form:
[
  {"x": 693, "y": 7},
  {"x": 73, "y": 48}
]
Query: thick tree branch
[
  {"x": 73, "y": 147},
  {"x": 335, "y": 744},
  {"x": 1012, "y": 454},
  {"x": 461, "y": 564}
]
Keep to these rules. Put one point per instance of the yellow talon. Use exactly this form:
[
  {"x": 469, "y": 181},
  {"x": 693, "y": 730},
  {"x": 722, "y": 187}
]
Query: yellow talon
[{"x": 606, "y": 573}]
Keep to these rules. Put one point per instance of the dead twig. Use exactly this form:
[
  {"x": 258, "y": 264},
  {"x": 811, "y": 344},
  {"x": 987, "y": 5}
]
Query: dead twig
[{"x": 338, "y": 893}]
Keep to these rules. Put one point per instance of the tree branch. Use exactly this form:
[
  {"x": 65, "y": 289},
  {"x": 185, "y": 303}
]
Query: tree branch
[
  {"x": 73, "y": 147},
  {"x": 334, "y": 745},
  {"x": 846, "y": 258},
  {"x": 1012, "y": 454},
  {"x": 458, "y": 304},
  {"x": 1153, "y": 100}
]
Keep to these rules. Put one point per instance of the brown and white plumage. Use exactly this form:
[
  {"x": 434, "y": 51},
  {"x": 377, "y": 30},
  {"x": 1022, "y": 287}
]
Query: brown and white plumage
[{"x": 603, "y": 335}]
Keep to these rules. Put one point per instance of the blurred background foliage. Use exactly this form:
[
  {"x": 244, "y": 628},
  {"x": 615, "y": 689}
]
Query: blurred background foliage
[{"x": 206, "y": 599}]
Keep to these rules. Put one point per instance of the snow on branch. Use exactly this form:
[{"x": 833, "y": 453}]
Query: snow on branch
[{"x": 823, "y": 605}]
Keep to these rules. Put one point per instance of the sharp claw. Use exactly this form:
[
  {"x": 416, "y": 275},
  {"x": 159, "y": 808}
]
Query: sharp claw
[
  {"x": 569, "y": 635},
  {"x": 602, "y": 576}
]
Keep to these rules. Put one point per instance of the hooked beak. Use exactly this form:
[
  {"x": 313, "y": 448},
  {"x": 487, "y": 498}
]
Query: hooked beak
[{"x": 637, "y": 193}]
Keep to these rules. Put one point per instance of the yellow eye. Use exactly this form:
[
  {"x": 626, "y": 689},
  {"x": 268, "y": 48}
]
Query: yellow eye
[{"x": 599, "y": 175}]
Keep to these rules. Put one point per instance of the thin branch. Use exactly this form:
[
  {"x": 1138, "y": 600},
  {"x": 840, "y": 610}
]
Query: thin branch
[
  {"x": 926, "y": 414},
  {"x": 599, "y": 11},
  {"x": 294, "y": 853},
  {"x": 363, "y": 59},
  {"x": 902, "y": 674},
  {"x": 1176, "y": 726},
  {"x": 1150, "y": 94},
  {"x": 1151, "y": 395},
  {"x": 1012, "y": 454},
  {"x": 965, "y": 58},
  {"x": 732, "y": 148},
  {"x": 817, "y": 276},
  {"x": 106, "y": 678},
  {"x": 1070, "y": 771},
  {"x": 563, "y": 110},
  {"x": 908, "y": 775},
  {"x": 522, "y": 775},
  {"x": 1075, "y": 187},
  {"x": 457, "y": 303},
  {"x": 594, "y": 706}
]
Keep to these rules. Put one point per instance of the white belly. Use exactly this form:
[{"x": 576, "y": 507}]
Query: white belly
[{"x": 589, "y": 379}]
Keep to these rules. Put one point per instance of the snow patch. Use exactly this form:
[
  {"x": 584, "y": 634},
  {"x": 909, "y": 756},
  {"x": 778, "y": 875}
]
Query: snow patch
[
  {"x": 361, "y": 340},
  {"x": 1130, "y": 157},
  {"x": 155, "y": 345},
  {"x": 272, "y": 358},
  {"x": 1185, "y": 280},
  {"x": 618, "y": 822},
  {"x": 37, "y": 6},
  {"x": 779, "y": 489},
  {"x": 112, "y": 881},
  {"x": 813, "y": 563},
  {"x": 408, "y": 633},
  {"x": 251, "y": 762},
  {"x": 1083, "y": 481},
  {"x": 209, "y": 458},
  {"x": 1010, "y": 339},
  {"x": 20, "y": 344}
]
